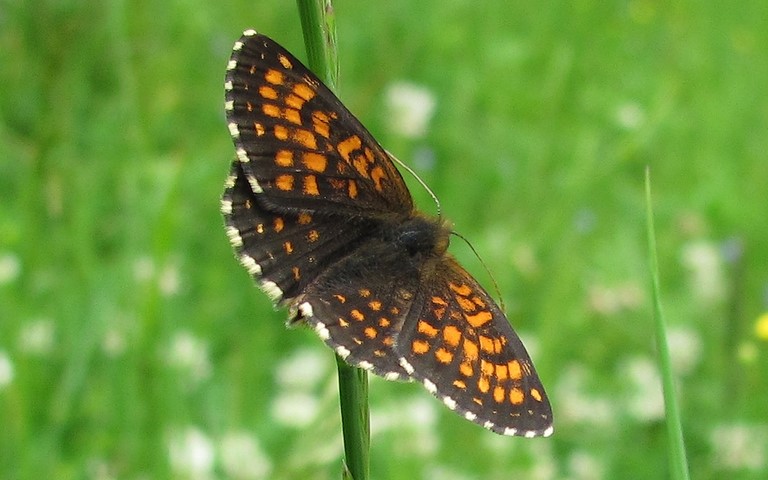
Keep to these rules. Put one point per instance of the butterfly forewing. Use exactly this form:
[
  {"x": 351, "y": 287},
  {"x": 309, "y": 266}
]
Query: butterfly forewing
[{"x": 300, "y": 147}]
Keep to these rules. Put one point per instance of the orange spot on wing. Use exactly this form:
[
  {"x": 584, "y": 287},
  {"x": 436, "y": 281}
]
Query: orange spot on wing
[
  {"x": 443, "y": 356},
  {"x": 486, "y": 368},
  {"x": 304, "y": 218},
  {"x": 310, "y": 185},
  {"x": 370, "y": 332},
  {"x": 305, "y": 138},
  {"x": 479, "y": 319},
  {"x": 419, "y": 347},
  {"x": 304, "y": 91},
  {"x": 284, "y": 158},
  {"x": 320, "y": 124},
  {"x": 284, "y": 61},
  {"x": 498, "y": 394},
  {"x": 347, "y": 146},
  {"x": 314, "y": 161},
  {"x": 460, "y": 384},
  {"x": 278, "y": 224},
  {"x": 466, "y": 304},
  {"x": 462, "y": 290},
  {"x": 268, "y": 92},
  {"x": 470, "y": 349},
  {"x": 536, "y": 394},
  {"x": 466, "y": 369},
  {"x": 271, "y": 110},
  {"x": 357, "y": 315},
  {"x": 274, "y": 77},
  {"x": 516, "y": 396},
  {"x": 427, "y": 329},
  {"x": 284, "y": 182},
  {"x": 486, "y": 344},
  {"x": 483, "y": 384},
  {"x": 281, "y": 133},
  {"x": 294, "y": 101},
  {"x": 377, "y": 174},
  {"x": 292, "y": 115},
  {"x": 515, "y": 370},
  {"x": 375, "y": 305},
  {"x": 352, "y": 190},
  {"x": 452, "y": 335}
]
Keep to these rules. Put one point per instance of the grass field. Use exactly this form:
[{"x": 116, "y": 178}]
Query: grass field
[{"x": 133, "y": 346}]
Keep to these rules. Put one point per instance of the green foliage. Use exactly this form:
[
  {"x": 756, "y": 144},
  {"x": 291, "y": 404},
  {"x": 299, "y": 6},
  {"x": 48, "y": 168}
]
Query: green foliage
[{"x": 130, "y": 337}]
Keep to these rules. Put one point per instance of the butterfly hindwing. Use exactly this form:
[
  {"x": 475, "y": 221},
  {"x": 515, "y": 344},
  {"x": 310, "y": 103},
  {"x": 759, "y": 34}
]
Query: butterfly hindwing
[
  {"x": 460, "y": 345},
  {"x": 284, "y": 252}
]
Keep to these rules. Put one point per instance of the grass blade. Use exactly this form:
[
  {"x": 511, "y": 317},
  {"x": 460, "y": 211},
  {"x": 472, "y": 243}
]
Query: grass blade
[{"x": 677, "y": 457}]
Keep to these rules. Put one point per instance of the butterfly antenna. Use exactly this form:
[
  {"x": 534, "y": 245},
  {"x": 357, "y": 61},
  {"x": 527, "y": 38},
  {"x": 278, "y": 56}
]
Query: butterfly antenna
[
  {"x": 418, "y": 179},
  {"x": 487, "y": 270}
]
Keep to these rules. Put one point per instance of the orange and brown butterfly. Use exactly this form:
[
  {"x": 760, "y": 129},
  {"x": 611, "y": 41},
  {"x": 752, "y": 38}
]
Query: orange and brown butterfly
[{"x": 321, "y": 218}]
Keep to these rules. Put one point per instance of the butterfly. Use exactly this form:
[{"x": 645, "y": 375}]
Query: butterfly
[{"x": 319, "y": 215}]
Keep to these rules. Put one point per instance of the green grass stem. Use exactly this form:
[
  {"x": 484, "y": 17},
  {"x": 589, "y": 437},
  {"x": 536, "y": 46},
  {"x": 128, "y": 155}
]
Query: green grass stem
[{"x": 319, "y": 39}]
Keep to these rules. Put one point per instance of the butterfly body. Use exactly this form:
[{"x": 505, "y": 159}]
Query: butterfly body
[{"x": 322, "y": 219}]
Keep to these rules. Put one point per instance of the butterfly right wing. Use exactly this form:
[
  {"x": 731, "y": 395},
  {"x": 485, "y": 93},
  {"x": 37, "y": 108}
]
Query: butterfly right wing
[{"x": 459, "y": 344}]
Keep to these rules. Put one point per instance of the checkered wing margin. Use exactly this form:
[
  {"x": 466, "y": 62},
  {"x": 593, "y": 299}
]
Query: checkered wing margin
[
  {"x": 301, "y": 149},
  {"x": 460, "y": 345}
]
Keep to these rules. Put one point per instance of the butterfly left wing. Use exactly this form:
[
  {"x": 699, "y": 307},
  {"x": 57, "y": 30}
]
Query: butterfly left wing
[
  {"x": 459, "y": 344},
  {"x": 301, "y": 149}
]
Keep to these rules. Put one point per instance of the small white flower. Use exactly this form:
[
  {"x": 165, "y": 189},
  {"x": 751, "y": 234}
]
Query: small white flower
[
  {"x": 616, "y": 299},
  {"x": 445, "y": 473},
  {"x": 684, "y": 349},
  {"x": 410, "y": 108},
  {"x": 169, "y": 281},
  {"x": 295, "y": 409},
  {"x": 143, "y": 269},
  {"x": 585, "y": 466},
  {"x": 191, "y": 453},
  {"x": 242, "y": 457},
  {"x": 10, "y": 268},
  {"x": 113, "y": 342},
  {"x": 6, "y": 369},
  {"x": 630, "y": 116},
  {"x": 37, "y": 337},
  {"x": 303, "y": 370},
  {"x": 190, "y": 355},
  {"x": 646, "y": 400},
  {"x": 706, "y": 271},
  {"x": 578, "y": 401},
  {"x": 740, "y": 446}
]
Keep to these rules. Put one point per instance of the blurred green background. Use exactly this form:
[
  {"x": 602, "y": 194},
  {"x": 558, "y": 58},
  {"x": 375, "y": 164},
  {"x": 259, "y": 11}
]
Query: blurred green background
[{"x": 133, "y": 346}]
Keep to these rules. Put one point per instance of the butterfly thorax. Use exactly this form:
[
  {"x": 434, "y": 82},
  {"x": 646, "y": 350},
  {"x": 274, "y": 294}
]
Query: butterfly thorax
[{"x": 420, "y": 235}]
